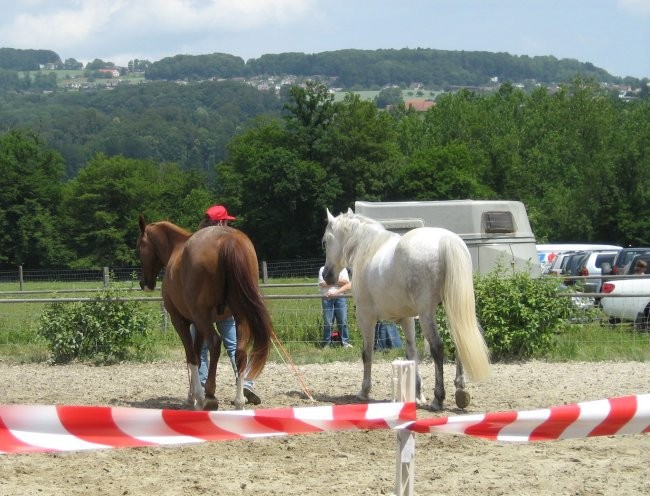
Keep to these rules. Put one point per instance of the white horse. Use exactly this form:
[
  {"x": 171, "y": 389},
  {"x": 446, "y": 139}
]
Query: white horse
[{"x": 398, "y": 277}]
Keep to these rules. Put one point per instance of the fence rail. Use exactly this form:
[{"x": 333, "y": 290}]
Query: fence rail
[{"x": 267, "y": 270}]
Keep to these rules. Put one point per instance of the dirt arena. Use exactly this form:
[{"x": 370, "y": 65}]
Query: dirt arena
[{"x": 332, "y": 463}]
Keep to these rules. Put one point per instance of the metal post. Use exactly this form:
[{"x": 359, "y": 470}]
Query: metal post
[
  {"x": 106, "y": 278},
  {"x": 20, "y": 276},
  {"x": 404, "y": 391},
  {"x": 165, "y": 317},
  {"x": 265, "y": 272}
]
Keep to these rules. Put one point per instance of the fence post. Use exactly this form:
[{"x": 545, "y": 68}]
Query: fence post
[
  {"x": 165, "y": 316},
  {"x": 404, "y": 391},
  {"x": 106, "y": 278},
  {"x": 20, "y": 277},
  {"x": 265, "y": 272}
]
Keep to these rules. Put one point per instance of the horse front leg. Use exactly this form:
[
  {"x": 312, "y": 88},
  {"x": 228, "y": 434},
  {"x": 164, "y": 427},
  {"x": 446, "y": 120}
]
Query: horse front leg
[
  {"x": 408, "y": 325},
  {"x": 367, "y": 327},
  {"x": 436, "y": 346}
]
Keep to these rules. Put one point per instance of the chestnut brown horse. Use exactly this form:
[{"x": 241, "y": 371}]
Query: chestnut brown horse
[{"x": 209, "y": 275}]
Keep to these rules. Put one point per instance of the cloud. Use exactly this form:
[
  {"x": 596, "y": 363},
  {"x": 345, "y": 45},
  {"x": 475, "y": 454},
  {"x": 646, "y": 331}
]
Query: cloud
[
  {"x": 73, "y": 23},
  {"x": 637, "y": 7}
]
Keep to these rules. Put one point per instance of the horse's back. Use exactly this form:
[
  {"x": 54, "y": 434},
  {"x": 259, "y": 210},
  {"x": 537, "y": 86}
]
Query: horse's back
[{"x": 201, "y": 275}]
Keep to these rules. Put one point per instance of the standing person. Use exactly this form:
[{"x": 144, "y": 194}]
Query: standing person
[
  {"x": 217, "y": 215},
  {"x": 335, "y": 306}
]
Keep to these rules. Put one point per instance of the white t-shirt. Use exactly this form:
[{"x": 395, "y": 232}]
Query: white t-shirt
[{"x": 343, "y": 276}]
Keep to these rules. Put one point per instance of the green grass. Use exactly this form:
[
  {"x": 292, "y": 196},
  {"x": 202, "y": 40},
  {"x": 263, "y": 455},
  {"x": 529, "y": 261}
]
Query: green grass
[{"x": 298, "y": 325}]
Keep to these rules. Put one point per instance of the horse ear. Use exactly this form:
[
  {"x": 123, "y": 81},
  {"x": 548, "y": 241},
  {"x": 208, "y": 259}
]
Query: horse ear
[
  {"x": 142, "y": 222},
  {"x": 350, "y": 211},
  {"x": 330, "y": 217}
]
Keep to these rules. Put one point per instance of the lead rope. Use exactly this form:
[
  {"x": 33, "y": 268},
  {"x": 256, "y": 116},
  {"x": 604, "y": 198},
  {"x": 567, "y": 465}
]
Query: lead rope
[{"x": 284, "y": 355}]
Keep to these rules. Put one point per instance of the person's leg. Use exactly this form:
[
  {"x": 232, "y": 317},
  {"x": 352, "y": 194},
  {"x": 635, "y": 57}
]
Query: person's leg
[
  {"x": 228, "y": 330},
  {"x": 328, "y": 321},
  {"x": 341, "y": 313}
]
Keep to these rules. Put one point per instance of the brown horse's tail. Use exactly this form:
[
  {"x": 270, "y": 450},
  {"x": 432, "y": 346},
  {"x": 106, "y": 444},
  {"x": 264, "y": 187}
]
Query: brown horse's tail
[{"x": 243, "y": 298}]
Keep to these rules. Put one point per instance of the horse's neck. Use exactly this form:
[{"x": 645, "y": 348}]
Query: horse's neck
[
  {"x": 368, "y": 239},
  {"x": 172, "y": 240}
]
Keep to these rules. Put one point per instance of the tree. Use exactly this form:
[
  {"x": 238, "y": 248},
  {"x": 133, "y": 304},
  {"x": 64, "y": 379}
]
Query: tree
[
  {"x": 72, "y": 64},
  {"x": 30, "y": 189},
  {"x": 440, "y": 173},
  {"x": 101, "y": 206},
  {"x": 307, "y": 115},
  {"x": 389, "y": 97},
  {"x": 278, "y": 196}
]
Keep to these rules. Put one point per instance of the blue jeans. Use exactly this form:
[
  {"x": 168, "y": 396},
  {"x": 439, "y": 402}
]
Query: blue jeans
[
  {"x": 335, "y": 309},
  {"x": 228, "y": 332}
]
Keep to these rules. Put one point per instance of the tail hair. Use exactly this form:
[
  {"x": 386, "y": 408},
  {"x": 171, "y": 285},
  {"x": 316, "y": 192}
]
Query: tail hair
[
  {"x": 243, "y": 298},
  {"x": 460, "y": 308}
]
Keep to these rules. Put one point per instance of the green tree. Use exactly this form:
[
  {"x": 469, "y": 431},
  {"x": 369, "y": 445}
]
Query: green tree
[
  {"x": 389, "y": 97},
  {"x": 360, "y": 150},
  {"x": 278, "y": 196},
  {"x": 30, "y": 189},
  {"x": 101, "y": 206},
  {"x": 440, "y": 173}
]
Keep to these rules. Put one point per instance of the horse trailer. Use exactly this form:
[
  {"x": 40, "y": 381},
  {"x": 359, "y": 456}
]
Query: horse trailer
[{"x": 497, "y": 232}]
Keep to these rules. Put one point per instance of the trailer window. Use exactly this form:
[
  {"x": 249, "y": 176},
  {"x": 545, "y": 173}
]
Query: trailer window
[{"x": 498, "y": 222}]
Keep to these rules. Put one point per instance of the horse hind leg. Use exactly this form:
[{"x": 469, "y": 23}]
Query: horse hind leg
[
  {"x": 436, "y": 346},
  {"x": 214, "y": 345},
  {"x": 408, "y": 325},
  {"x": 462, "y": 397},
  {"x": 195, "y": 395}
]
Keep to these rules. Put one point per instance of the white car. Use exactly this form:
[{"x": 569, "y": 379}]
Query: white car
[{"x": 633, "y": 304}]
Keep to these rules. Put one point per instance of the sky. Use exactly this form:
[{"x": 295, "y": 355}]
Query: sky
[{"x": 611, "y": 34}]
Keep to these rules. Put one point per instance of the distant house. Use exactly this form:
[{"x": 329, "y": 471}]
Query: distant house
[
  {"x": 419, "y": 104},
  {"x": 113, "y": 72}
]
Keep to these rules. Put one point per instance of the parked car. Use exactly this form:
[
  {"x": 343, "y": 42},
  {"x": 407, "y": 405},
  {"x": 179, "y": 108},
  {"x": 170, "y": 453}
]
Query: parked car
[
  {"x": 629, "y": 301},
  {"x": 623, "y": 258},
  {"x": 591, "y": 265},
  {"x": 552, "y": 256}
]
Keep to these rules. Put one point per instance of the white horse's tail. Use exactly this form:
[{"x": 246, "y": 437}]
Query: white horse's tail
[{"x": 460, "y": 308}]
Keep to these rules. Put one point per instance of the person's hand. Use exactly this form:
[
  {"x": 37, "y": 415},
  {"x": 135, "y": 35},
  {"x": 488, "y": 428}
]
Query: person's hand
[{"x": 332, "y": 292}]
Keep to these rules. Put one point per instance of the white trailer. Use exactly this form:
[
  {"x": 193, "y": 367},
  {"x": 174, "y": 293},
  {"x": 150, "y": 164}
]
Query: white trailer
[{"x": 497, "y": 232}]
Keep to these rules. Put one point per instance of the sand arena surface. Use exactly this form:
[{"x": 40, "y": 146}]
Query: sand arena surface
[{"x": 346, "y": 463}]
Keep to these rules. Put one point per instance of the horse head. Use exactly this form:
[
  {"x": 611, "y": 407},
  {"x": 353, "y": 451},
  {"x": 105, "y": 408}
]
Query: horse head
[
  {"x": 334, "y": 241},
  {"x": 149, "y": 259}
]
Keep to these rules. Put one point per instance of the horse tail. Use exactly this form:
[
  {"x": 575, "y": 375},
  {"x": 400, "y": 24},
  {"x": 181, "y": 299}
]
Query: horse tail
[
  {"x": 243, "y": 298},
  {"x": 460, "y": 308}
]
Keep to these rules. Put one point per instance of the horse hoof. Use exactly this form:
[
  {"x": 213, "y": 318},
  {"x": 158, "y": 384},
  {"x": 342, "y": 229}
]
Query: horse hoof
[
  {"x": 436, "y": 405},
  {"x": 211, "y": 404},
  {"x": 462, "y": 398}
]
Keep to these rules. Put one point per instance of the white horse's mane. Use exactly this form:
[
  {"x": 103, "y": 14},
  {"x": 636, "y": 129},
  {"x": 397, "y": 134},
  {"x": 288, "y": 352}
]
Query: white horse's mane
[{"x": 362, "y": 238}]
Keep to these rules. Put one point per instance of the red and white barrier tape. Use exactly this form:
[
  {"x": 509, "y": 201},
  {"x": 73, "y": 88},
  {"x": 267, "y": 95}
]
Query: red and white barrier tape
[
  {"x": 613, "y": 416},
  {"x": 71, "y": 428}
]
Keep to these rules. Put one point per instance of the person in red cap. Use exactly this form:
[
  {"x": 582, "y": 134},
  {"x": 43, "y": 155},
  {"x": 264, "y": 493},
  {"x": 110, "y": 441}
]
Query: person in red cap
[{"x": 217, "y": 215}]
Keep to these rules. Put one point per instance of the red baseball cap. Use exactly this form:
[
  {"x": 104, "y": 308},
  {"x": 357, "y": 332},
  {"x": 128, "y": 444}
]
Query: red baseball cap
[{"x": 218, "y": 212}]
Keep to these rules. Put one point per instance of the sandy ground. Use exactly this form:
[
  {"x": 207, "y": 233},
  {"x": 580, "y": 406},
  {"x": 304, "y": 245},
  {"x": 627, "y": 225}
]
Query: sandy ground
[{"x": 332, "y": 463}]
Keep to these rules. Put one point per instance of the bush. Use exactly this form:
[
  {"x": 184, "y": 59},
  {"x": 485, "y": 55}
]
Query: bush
[
  {"x": 102, "y": 330},
  {"x": 520, "y": 315}
]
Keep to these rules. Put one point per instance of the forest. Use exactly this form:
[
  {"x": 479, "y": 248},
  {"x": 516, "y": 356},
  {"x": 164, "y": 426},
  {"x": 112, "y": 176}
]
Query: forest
[{"x": 579, "y": 159}]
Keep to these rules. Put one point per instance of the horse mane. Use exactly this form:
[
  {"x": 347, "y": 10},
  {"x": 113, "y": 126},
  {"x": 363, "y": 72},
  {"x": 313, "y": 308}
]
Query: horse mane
[
  {"x": 167, "y": 225},
  {"x": 363, "y": 239}
]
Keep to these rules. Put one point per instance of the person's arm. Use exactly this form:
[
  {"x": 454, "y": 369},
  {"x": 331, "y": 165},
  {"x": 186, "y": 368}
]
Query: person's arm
[{"x": 344, "y": 286}]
